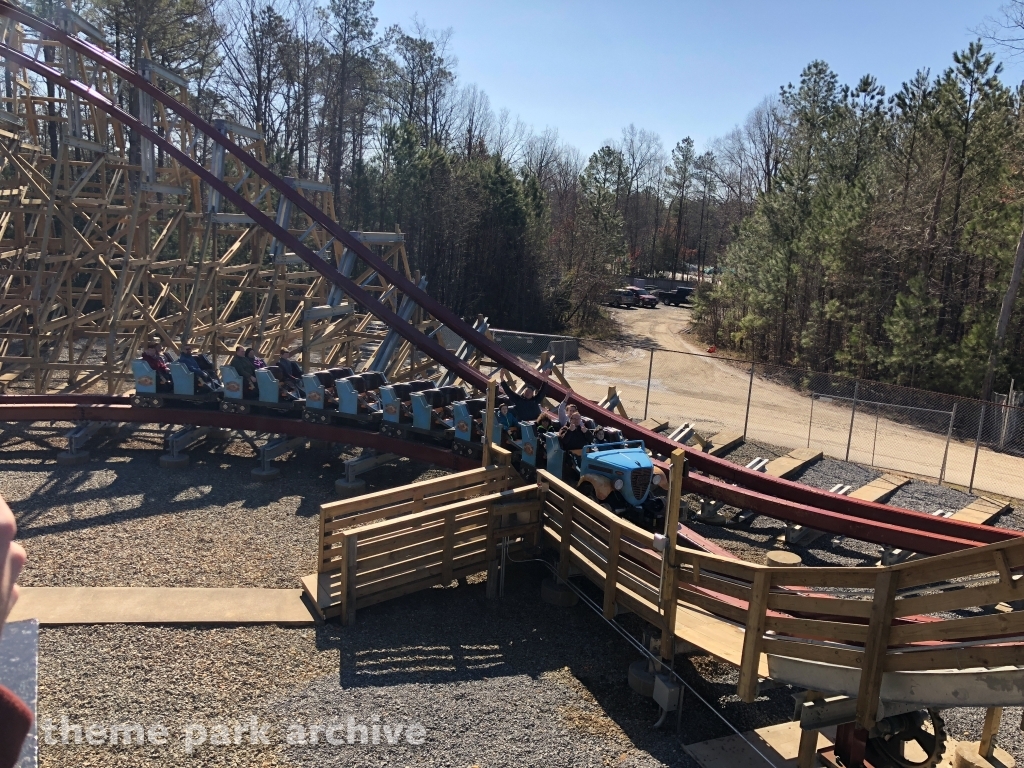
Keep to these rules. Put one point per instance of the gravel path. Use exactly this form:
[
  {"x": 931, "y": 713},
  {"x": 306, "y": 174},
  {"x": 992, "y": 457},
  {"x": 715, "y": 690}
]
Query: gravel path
[{"x": 508, "y": 682}]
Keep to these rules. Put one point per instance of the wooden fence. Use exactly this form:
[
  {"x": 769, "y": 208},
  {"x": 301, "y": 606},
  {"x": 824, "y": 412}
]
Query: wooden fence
[
  {"x": 382, "y": 545},
  {"x": 873, "y": 620},
  {"x": 877, "y": 620}
]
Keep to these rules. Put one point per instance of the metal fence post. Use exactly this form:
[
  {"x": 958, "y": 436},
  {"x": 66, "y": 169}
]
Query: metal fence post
[
  {"x": 949, "y": 436},
  {"x": 564, "y": 342},
  {"x": 750, "y": 391},
  {"x": 874, "y": 441},
  {"x": 977, "y": 445},
  {"x": 853, "y": 415},
  {"x": 810, "y": 421},
  {"x": 650, "y": 368}
]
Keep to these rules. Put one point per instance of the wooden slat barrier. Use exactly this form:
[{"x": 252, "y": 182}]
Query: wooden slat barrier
[
  {"x": 383, "y": 545},
  {"x": 876, "y": 619}
]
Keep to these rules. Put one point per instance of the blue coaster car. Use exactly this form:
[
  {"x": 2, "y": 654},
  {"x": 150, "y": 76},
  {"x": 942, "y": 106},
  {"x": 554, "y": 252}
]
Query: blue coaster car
[
  {"x": 468, "y": 418},
  {"x": 272, "y": 393},
  {"x": 358, "y": 399},
  {"x": 322, "y": 394},
  {"x": 235, "y": 397},
  {"x": 145, "y": 385},
  {"x": 621, "y": 475},
  {"x": 396, "y": 406}
]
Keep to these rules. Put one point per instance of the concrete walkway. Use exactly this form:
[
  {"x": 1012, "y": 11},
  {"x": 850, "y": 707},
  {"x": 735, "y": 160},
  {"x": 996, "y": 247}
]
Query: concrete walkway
[{"x": 131, "y": 605}]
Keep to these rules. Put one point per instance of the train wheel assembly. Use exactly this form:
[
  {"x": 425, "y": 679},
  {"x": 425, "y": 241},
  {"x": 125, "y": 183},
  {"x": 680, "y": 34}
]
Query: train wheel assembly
[{"x": 923, "y": 729}]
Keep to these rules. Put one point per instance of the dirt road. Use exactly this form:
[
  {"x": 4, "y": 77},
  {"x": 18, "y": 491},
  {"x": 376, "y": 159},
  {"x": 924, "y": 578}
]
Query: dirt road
[{"x": 691, "y": 386}]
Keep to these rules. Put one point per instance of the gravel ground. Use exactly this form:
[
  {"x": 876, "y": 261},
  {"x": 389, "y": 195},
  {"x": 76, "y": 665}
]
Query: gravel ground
[
  {"x": 508, "y": 682},
  {"x": 250, "y": 533},
  {"x": 828, "y": 473},
  {"x": 492, "y": 683},
  {"x": 929, "y": 497}
]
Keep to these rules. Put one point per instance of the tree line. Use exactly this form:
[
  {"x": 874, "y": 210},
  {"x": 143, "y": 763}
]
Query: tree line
[{"x": 837, "y": 228}]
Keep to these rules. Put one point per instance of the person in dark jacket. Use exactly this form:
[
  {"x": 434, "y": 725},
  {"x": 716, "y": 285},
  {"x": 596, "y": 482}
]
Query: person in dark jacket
[
  {"x": 574, "y": 435},
  {"x": 15, "y": 717},
  {"x": 258, "y": 362},
  {"x": 526, "y": 405},
  {"x": 205, "y": 380},
  {"x": 291, "y": 372},
  {"x": 245, "y": 368}
]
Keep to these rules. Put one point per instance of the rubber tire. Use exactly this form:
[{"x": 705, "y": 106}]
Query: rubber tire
[{"x": 641, "y": 680}]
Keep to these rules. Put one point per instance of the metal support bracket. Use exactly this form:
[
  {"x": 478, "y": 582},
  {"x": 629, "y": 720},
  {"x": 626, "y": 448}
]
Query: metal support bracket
[
  {"x": 185, "y": 438},
  {"x": 367, "y": 461},
  {"x": 80, "y": 435},
  {"x": 278, "y": 446}
]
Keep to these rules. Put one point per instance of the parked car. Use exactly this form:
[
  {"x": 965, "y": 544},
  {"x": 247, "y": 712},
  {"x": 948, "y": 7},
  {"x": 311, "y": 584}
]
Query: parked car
[
  {"x": 643, "y": 297},
  {"x": 675, "y": 296},
  {"x": 620, "y": 297}
]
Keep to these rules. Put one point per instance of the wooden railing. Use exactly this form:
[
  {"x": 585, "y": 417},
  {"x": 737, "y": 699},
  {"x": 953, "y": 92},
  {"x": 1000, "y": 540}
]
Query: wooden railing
[
  {"x": 380, "y": 546},
  {"x": 873, "y": 620},
  {"x": 877, "y": 620}
]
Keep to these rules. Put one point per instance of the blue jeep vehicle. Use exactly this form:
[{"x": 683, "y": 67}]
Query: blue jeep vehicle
[{"x": 618, "y": 475}]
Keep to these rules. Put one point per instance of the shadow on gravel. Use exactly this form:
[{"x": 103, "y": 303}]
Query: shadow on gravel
[
  {"x": 142, "y": 489},
  {"x": 456, "y": 637}
]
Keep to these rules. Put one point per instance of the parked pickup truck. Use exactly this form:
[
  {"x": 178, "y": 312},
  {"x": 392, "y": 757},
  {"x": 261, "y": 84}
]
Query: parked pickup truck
[
  {"x": 675, "y": 296},
  {"x": 620, "y": 297},
  {"x": 644, "y": 298}
]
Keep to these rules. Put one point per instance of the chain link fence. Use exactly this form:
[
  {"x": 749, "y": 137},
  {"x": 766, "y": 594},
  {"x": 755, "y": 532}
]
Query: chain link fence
[{"x": 960, "y": 441}]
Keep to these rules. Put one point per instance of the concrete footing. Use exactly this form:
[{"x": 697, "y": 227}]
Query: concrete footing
[
  {"x": 780, "y": 558},
  {"x": 66, "y": 458},
  {"x": 641, "y": 679},
  {"x": 265, "y": 474},
  {"x": 170, "y": 461},
  {"x": 553, "y": 593},
  {"x": 345, "y": 488}
]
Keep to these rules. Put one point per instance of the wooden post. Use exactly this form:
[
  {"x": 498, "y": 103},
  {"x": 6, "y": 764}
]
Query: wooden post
[
  {"x": 348, "y": 616},
  {"x": 489, "y": 421},
  {"x": 449, "y": 545},
  {"x": 987, "y": 745},
  {"x": 493, "y": 564},
  {"x": 879, "y": 625},
  {"x": 564, "y": 552},
  {"x": 808, "y": 738},
  {"x": 611, "y": 574},
  {"x": 306, "y": 328},
  {"x": 670, "y": 572},
  {"x": 756, "y": 613}
]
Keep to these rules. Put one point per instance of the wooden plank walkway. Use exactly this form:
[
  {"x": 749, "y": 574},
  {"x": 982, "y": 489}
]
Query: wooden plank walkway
[
  {"x": 142, "y": 605},
  {"x": 980, "y": 511},
  {"x": 879, "y": 489},
  {"x": 724, "y": 442},
  {"x": 792, "y": 462}
]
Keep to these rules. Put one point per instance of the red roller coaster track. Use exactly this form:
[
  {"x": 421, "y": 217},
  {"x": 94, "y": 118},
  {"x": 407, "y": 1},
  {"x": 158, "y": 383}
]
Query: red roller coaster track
[{"x": 720, "y": 479}]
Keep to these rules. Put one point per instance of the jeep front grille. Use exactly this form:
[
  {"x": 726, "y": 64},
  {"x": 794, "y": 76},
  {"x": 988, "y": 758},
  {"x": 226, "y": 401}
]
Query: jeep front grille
[{"x": 640, "y": 481}]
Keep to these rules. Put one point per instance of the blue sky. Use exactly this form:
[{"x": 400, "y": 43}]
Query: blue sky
[{"x": 682, "y": 68}]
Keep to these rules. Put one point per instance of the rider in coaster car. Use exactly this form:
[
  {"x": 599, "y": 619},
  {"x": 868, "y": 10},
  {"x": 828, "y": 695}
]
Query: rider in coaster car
[
  {"x": 205, "y": 381},
  {"x": 258, "y": 362},
  {"x": 527, "y": 405},
  {"x": 574, "y": 435},
  {"x": 245, "y": 368},
  {"x": 567, "y": 409},
  {"x": 158, "y": 363},
  {"x": 508, "y": 420},
  {"x": 291, "y": 373}
]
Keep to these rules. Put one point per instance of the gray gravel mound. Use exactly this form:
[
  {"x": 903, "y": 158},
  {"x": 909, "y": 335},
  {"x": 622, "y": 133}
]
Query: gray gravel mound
[
  {"x": 929, "y": 497},
  {"x": 828, "y": 473}
]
